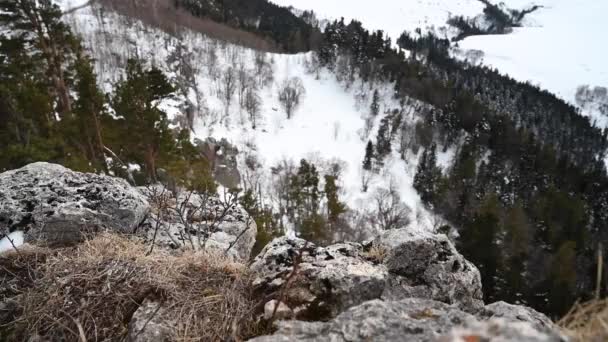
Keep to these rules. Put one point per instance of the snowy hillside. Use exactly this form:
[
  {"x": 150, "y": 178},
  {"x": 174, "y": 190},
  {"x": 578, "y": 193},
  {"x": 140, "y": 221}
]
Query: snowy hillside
[
  {"x": 328, "y": 128},
  {"x": 393, "y": 17},
  {"x": 557, "y": 51},
  {"x": 552, "y": 50}
]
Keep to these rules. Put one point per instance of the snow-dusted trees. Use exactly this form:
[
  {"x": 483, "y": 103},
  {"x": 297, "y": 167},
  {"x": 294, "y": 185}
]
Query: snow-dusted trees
[{"x": 291, "y": 93}]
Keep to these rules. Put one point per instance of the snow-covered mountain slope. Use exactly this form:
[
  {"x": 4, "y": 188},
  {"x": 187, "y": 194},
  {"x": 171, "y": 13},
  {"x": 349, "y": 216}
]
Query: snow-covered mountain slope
[
  {"x": 563, "y": 47},
  {"x": 391, "y": 16},
  {"x": 560, "y": 48},
  {"x": 327, "y": 128}
]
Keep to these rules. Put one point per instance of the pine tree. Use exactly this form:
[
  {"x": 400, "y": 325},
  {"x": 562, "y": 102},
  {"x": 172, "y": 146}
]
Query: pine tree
[
  {"x": 369, "y": 155},
  {"x": 335, "y": 208},
  {"x": 38, "y": 24},
  {"x": 145, "y": 128},
  {"x": 375, "y": 106},
  {"x": 383, "y": 140},
  {"x": 428, "y": 175}
]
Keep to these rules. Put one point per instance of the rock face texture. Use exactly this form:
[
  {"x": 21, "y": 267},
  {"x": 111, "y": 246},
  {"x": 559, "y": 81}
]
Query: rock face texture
[
  {"x": 146, "y": 326},
  {"x": 426, "y": 265},
  {"x": 415, "y": 320},
  {"x": 56, "y": 206},
  {"x": 396, "y": 265},
  {"x": 199, "y": 222},
  {"x": 328, "y": 280},
  {"x": 518, "y": 313}
]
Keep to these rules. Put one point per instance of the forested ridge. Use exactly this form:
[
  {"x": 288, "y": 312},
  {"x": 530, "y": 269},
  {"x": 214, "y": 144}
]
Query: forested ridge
[{"x": 527, "y": 191}]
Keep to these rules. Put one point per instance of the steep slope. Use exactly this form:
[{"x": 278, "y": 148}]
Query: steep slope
[
  {"x": 392, "y": 16},
  {"x": 328, "y": 128},
  {"x": 560, "y": 50}
]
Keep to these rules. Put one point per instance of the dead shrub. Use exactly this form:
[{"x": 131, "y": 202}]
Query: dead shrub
[
  {"x": 91, "y": 292},
  {"x": 587, "y": 322}
]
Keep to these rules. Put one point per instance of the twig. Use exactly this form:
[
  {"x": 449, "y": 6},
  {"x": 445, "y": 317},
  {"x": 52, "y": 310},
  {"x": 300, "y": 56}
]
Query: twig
[{"x": 293, "y": 273}]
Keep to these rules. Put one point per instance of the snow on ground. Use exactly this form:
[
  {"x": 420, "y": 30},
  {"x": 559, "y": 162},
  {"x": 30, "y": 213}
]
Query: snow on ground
[
  {"x": 564, "y": 48},
  {"x": 328, "y": 126},
  {"x": 68, "y": 4},
  {"x": 12, "y": 241},
  {"x": 391, "y": 16}
]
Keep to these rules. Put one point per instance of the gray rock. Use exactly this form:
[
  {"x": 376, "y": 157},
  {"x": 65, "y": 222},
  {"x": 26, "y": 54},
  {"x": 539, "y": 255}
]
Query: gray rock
[
  {"x": 406, "y": 320},
  {"x": 282, "y": 312},
  {"x": 193, "y": 221},
  {"x": 146, "y": 325},
  {"x": 329, "y": 280},
  {"x": 517, "y": 313},
  {"x": 501, "y": 330},
  {"x": 55, "y": 206},
  {"x": 415, "y": 320},
  {"x": 427, "y": 265}
]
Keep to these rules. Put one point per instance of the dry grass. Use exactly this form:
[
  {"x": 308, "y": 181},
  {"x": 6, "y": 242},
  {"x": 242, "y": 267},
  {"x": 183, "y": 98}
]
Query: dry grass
[
  {"x": 376, "y": 254},
  {"x": 91, "y": 292},
  {"x": 587, "y": 322}
]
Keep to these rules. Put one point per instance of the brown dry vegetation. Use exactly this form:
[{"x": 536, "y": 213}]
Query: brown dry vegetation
[
  {"x": 587, "y": 322},
  {"x": 90, "y": 292},
  {"x": 162, "y": 14}
]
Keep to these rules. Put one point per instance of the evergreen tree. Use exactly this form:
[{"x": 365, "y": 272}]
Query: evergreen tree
[
  {"x": 335, "y": 208},
  {"x": 383, "y": 140},
  {"x": 375, "y": 106},
  {"x": 144, "y": 127},
  {"x": 38, "y": 24},
  {"x": 369, "y": 155},
  {"x": 428, "y": 175},
  {"x": 478, "y": 243}
]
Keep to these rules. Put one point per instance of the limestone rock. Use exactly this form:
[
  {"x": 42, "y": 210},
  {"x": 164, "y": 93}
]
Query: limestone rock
[
  {"x": 282, "y": 312},
  {"x": 329, "y": 280},
  {"x": 147, "y": 326},
  {"x": 501, "y": 330},
  {"x": 427, "y": 265},
  {"x": 517, "y": 313},
  {"x": 415, "y": 320},
  {"x": 407, "y": 320},
  {"x": 56, "y": 206}
]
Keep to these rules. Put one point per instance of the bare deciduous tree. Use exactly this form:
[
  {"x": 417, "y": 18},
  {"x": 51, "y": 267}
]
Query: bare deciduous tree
[
  {"x": 391, "y": 213},
  {"x": 228, "y": 83},
  {"x": 253, "y": 103},
  {"x": 290, "y": 95}
]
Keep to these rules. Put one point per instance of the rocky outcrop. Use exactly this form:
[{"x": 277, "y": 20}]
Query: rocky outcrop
[
  {"x": 195, "y": 221},
  {"x": 328, "y": 280},
  {"x": 55, "y": 206},
  {"x": 396, "y": 265},
  {"x": 426, "y": 265},
  {"x": 415, "y": 320}
]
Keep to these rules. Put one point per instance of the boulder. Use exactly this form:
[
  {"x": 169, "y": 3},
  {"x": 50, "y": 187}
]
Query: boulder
[
  {"x": 328, "y": 279},
  {"x": 412, "y": 320},
  {"x": 56, "y": 206},
  {"x": 517, "y": 313},
  {"x": 196, "y": 221},
  {"x": 398, "y": 264},
  {"x": 406, "y": 320},
  {"x": 501, "y": 330},
  {"x": 426, "y": 265}
]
